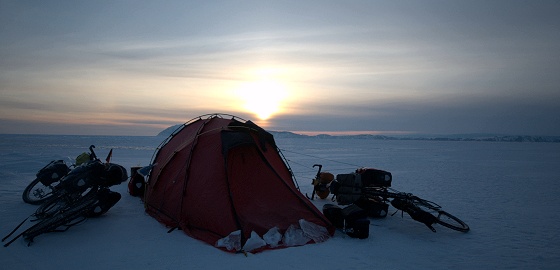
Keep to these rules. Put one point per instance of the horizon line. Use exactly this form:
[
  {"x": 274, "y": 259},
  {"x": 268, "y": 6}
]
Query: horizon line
[
  {"x": 352, "y": 132},
  {"x": 316, "y": 133}
]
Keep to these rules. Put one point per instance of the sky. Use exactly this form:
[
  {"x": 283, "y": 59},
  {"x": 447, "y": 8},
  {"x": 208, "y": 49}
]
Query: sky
[{"x": 340, "y": 67}]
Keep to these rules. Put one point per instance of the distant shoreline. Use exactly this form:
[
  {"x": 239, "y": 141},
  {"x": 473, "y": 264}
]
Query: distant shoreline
[
  {"x": 465, "y": 137},
  {"x": 288, "y": 134}
]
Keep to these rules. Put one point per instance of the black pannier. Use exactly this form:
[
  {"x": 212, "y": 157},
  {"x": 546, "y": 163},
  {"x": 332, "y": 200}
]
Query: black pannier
[
  {"x": 358, "y": 229},
  {"x": 348, "y": 188},
  {"x": 113, "y": 174},
  {"x": 105, "y": 200},
  {"x": 137, "y": 183},
  {"x": 334, "y": 214},
  {"x": 374, "y": 177},
  {"x": 94, "y": 173},
  {"x": 83, "y": 177},
  {"x": 351, "y": 219},
  {"x": 374, "y": 208},
  {"x": 356, "y": 223},
  {"x": 53, "y": 172}
]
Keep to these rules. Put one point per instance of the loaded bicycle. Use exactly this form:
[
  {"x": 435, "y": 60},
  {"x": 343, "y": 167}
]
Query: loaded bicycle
[
  {"x": 419, "y": 209},
  {"x": 47, "y": 179},
  {"x": 371, "y": 190},
  {"x": 82, "y": 193}
]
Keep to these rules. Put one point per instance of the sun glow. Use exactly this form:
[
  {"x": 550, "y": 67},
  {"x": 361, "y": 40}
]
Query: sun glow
[{"x": 263, "y": 98}]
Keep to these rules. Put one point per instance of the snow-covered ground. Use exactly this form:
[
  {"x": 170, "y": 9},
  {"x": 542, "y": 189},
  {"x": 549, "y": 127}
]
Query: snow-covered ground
[{"x": 506, "y": 192}]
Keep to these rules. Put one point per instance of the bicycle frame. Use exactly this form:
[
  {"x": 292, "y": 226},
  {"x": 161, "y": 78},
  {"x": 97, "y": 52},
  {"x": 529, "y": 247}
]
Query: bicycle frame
[
  {"x": 412, "y": 205},
  {"x": 384, "y": 193}
]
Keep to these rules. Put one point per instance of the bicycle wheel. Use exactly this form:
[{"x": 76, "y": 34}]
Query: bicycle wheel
[
  {"x": 425, "y": 204},
  {"x": 442, "y": 217},
  {"x": 52, "y": 206},
  {"x": 451, "y": 221},
  {"x": 36, "y": 193}
]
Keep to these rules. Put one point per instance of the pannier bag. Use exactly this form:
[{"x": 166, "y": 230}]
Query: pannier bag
[
  {"x": 137, "y": 183},
  {"x": 351, "y": 219},
  {"x": 83, "y": 177},
  {"x": 321, "y": 185},
  {"x": 374, "y": 208},
  {"x": 94, "y": 173},
  {"x": 113, "y": 174},
  {"x": 53, "y": 172},
  {"x": 375, "y": 178},
  {"x": 334, "y": 214},
  {"x": 105, "y": 200},
  {"x": 348, "y": 188},
  {"x": 83, "y": 158},
  {"x": 358, "y": 229},
  {"x": 356, "y": 222}
]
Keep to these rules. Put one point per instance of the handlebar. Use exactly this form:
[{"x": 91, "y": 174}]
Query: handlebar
[{"x": 93, "y": 155}]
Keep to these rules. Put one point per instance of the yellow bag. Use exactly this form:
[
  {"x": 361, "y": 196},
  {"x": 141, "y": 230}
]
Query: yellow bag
[{"x": 82, "y": 158}]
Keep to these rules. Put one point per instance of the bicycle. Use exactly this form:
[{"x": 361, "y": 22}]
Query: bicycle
[
  {"x": 67, "y": 216},
  {"x": 49, "y": 177},
  {"x": 42, "y": 188},
  {"x": 82, "y": 193},
  {"x": 372, "y": 186},
  {"x": 419, "y": 209}
]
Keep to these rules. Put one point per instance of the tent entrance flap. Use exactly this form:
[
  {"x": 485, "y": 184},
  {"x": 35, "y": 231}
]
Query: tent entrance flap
[{"x": 232, "y": 139}]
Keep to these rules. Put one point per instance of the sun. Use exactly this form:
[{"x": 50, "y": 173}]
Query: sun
[{"x": 263, "y": 98}]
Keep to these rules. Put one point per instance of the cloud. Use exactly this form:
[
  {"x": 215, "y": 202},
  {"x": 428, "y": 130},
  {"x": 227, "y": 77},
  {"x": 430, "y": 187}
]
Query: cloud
[
  {"x": 458, "y": 114},
  {"x": 423, "y": 66}
]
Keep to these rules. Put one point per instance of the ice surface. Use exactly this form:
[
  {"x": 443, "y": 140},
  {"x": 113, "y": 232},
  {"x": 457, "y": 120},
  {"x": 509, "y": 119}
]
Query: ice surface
[
  {"x": 507, "y": 192},
  {"x": 273, "y": 237},
  {"x": 254, "y": 242},
  {"x": 316, "y": 232},
  {"x": 231, "y": 242}
]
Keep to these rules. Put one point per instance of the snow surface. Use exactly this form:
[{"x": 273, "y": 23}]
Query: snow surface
[{"x": 506, "y": 192}]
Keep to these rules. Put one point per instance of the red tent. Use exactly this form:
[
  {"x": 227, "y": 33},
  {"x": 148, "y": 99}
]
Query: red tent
[{"x": 214, "y": 176}]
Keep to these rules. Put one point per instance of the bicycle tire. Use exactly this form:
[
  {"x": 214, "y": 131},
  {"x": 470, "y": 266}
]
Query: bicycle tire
[
  {"x": 442, "y": 217},
  {"x": 52, "y": 206},
  {"x": 425, "y": 203},
  {"x": 451, "y": 222},
  {"x": 36, "y": 193}
]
